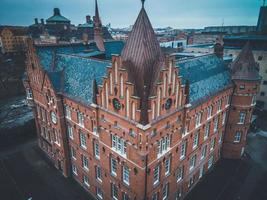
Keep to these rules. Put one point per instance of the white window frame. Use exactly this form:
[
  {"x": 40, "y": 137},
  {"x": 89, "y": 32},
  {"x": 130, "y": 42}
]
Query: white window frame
[
  {"x": 126, "y": 175},
  {"x": 70, "y": 131},
  {"x": 212, "y": 144},
  {"x": 242, "y": 117},
  {"x": 180, "y": 173},
  {"x": 73, "y": 153},
  {"x": 99, "y": 192},
  {"x": 113, "y": 166},
  {"x": 204, "y": 152},
  {"x": 198, "y": 119},
  {"x": 168, "y": 166},
  {"x": 254, "y": 100},
  {"x": 29, "y": 94},
  {"x": 195, "y": 140},
  {"x": 96, "y": 150},
  {"x": 164, "y": 145},
  {"x": 80, "y": 119},
  {"x": 209, "y": 112},
  {"x": 83, "y": 141},
  {"x": 74, "y": 170},
  {"x": 210, "y": 161},
  {"x": 86, "y": 180},
  {"x": 219, "y": 106},
  {"x": 114, "y": 192},
  {"x": 98, "y": 173},
  {"x": 156, "y": 175},
  {"x": 224, "y": 118},
  {"x": 165, "y": 191},
  {"x": 85, "y": 162},
  {"x": 68, "y": 112},
  {"x": 192, "y": 162},
  {"x": 238, "y": 136},
  {"x": 183, "y": 150},
  {"x": 207, "y": 131},
  {"x": 216, "y": 124},
  {"x": 119, "y": 145}
]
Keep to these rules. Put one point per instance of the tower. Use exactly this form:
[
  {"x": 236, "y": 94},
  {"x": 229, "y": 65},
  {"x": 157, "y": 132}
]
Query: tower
[
  {"x": 246, "y": 80},
  {"x": 98, "y": 35}
]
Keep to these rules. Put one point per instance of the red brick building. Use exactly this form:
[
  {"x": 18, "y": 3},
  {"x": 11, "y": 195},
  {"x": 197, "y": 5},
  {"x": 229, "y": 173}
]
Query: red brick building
[{"x": 141, "y": 125}]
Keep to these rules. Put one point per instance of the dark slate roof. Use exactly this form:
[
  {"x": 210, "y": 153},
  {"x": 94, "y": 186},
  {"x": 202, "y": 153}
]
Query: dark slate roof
[
  {"x": 72, "y": 72},
  {"x": 207, "y": 76},
  {"x": 245, "y": 67}
]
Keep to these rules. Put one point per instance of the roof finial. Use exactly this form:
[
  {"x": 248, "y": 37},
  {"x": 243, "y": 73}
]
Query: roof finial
[{"x": 143, "y": 3}]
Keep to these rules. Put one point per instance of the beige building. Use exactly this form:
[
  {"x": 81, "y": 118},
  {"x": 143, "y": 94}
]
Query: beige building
[{"x": 12, "y": 39}]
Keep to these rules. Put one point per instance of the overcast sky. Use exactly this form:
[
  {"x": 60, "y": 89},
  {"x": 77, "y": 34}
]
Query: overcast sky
[{"x": 122, "y": 13}]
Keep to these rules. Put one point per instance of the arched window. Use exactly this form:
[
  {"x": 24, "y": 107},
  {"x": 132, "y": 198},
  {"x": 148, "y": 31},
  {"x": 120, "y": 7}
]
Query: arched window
[
  {"x": 121, "y": 85},
  {"x": 127, "y": 103}
]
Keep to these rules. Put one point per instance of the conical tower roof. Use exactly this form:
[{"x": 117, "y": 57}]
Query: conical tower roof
[
  {"x": 245, "y": 67},
  {"x": 142, "y": 57}
]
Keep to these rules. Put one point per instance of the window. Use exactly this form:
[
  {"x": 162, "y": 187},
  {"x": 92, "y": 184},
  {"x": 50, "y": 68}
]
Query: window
[
  {"x": 70, "y": 131},
  {"x": 98, "y": 173},
  {"x": 155, "y": 196},
  {"x": 114, "y": 192},
  {"x": 220, "y": 138},
  {"x": 204, "y": 152},
  {"x": 198, "y": 119},
  {"x": 73, "y": 153},
  {"x": 85, "y": 162},
  {"x": 210, "y": 162},
  {"x": 167, "y": 166},
  {"x": 126, "y": 175},
  {"x": 207, "y": 131},
  {"x": 216, "y": 124},
  {"x": 180, "y": 173},
  {"x": 262, "y": 94},
  {"x": 195, "y": 140},
  {"x": 264, "y": 82},
  {"x": 53, "y": 117},
  {"x": 99, "y": 193},
  {"x": 242, "y": 87},
  {"x": 183, "y": 150},
  {"x": 219, "y": 108},
  {"x": 209, "y": 112},
  {"x": 164, "y": 145},
  {"x": 192, "y": 162},
  {"x": 212, "y": 144},
  {"x": 96, "y": 150},
  {"x": 67, "y": 112},
  {"x": 113, "y": 167},
  {"x": 125, "y": 196},
  {"x": 254, "y": 100},
  {"x": 237, "y": 137},
  {"x": 227, "y": 100},
  {"x": 223, "y": 118},
  {"x": 28, "y": 93},
  {"x": 74, "y": 170},
  {"x": 260, "y": 58},
  {"x": 80, "y": 119},
  {"x": 242, "y": 117},
  {"x": 156, "y": 175},
  {"x": 165, "y": 191},
  {"x": 119, "y": 145},
  {"x": 56, "y": 137},
  {"x": 86, "y": 180},
  {"x": 83, "y": 140}
]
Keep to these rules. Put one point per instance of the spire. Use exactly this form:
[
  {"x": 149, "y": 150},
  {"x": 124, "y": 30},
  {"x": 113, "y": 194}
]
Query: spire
[
  {"x": 142, "y": 57},
  {"x": 98, "y": 35},
  {"x": 245, "y": 67},
  {"x": 143, "y": 3}
]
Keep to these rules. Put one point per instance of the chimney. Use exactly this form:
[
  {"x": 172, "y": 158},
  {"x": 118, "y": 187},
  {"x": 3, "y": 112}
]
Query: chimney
[
  {"x": 42, "y": 21},
  {"x": 88, "y": 19},
  {"x": 36, "y": 21}
]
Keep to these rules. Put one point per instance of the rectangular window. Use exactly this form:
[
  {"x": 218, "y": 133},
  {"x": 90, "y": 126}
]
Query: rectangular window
[
  {"x": 195, "y": 140},
  {"x": 125, "y": 196},
  {"x": 212, "y": 144},
  {"x": 242, "y": 117},
  {"x": 164, "y": 145},
  {"x": 167, "y": 166},
  {"x": 114, "y": 192},
  {"x": 204, "y": 152},
  {"x": 192, "y": 162},
  {"x": 156, "y": 175},
  {"x": 74, "y": 169},
  {"x": 220, "y": 138},
  {"x": 216, "y": 124},
  {"x": 86, "y": 180},
  {"x": 207, "y": 131},
  {"x": 180, "y": 173},
  {"x": 67, "y": 112},
  {"x": 85, "y": 162},
  {"x": 165, "y": 192},
  {"x": 119, "y": 145},
  {"x": 28, "y": 93},
  {"x": 227, "y": 100},
  {"x": 237, "y": 137},
  {"x": 183, "y": 150},
  {"x": 73, "y": 153},
  {"x": 219, "y": 106},
  {"x": 209, "y": 112},
  {"x": 80, "y": 119},
  {"x": 242, "y": 87},
  {"x": 99, "y": 193},
  {"x": 126, "y": 175},
  {"x": 254, "y": 100},
  {"x": 70, "y": 131},
  {"x": 155, "y": 196},
  {"x": 198, "y": 119},
  {"x": 98, "y": 173},
  {"x": 83, "y": 140},
  {"x": 96, "y": 150},
  {"x": 113, "y": 167},
  {"x": 210, "y": 162},
  {"x": 223, "y": 118}
]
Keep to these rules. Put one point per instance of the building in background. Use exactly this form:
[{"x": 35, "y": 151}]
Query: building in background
[
  {"x": 138, "y": 124},
  {"x": 13, "y": 39}
]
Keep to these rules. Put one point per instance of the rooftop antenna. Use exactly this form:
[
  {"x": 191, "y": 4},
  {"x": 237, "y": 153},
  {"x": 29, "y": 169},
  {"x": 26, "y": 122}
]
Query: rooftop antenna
[{"x": 143, "y": 3}]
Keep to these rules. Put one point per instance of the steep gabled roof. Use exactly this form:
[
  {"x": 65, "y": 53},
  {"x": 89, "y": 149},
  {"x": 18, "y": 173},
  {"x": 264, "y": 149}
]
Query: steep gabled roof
[
  {"x": 142, "y": 57},
  {"x": 245, "y": 67}
]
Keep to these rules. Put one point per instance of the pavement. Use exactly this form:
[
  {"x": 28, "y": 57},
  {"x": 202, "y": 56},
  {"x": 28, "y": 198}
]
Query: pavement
[{"x": 25, "y": 174}]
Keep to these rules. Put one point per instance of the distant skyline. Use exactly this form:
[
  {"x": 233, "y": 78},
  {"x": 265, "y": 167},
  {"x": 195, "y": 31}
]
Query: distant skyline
[{"x": 123, "y": 13}]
